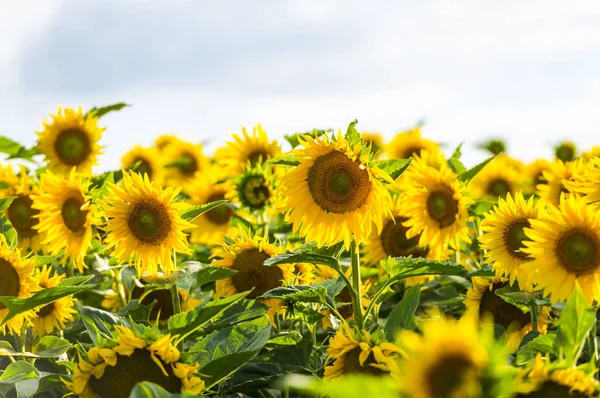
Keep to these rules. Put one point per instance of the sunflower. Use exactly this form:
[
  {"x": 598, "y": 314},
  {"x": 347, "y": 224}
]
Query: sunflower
[
  {"x": 592, "y": 153},
  {"x": 17, "y": 279},
  {"x": 20, "y": 212},
  {"x": 212, "y": 226},
  {"x": 133, "y": 357},
  {"x": 565, "y": 151},
  {"x": 565, "y": 247},
  {"x": 254, "y": 188},
  {"x": 53, "y": 316},
  {"x": 249, "y": 149},
  {"x": 334, "y": 194},
  {"x": 503, "y": 234},
  {"x": 164, "y": 141},
  {"x": 355, "y": 352},
  {"x": 586, "y": 182},
  {"x": 182, "y": 161},
  {"x": 435, "y": 203},
  {"x": 247, "y": 255},
  {"x": 534, "y": 174},
  {"x": 409, "y": 143},
  {"x": 66, "y": 216},
  {"x": 482, "y": 301},
  {"x": 546, "y": 380},
  {"x": 70, "y": 140},
  {"x": 147, "y": 160},
  {"x": 144, "y": 223},
  {"x": 163, "y": 308},
  {"x": 557, "y": 179},
  {"x": 375, "y": 142},
  {"x": 497, "y": 179},
  {"x": 451, "y": 358}
]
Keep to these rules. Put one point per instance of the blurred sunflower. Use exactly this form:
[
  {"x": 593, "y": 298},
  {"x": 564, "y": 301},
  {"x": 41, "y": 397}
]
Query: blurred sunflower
[
  {"x": 548, "y": 381},
  {"x": 557, "y": 178},
  {"x": 565, "y": 151},
  {"x": 565, "y": 247},
  {"x": 254, "y": 188},
  {"x": 354, "y": 352},
  {"x": 247, "y": 255},
  {"x": 497, "y": 179},
  {"x": 17, "y": 279},
  {"x": 252, "y": 150},
  {"x": 54, "y": 316},
  {"x": 211, "y": 227},
  {"x": 20, "y": 212},
  {"x": 504, "y": 235},
  {"x": 586, "y": 182},
  {"x": 375, "y": 142},
  {"x": 70, "y": 140},
  {"x": 164, "y": 141},
  {"x": 534, "y": 174},
  {"x": 182, "y": 161},
  {"x": 482, "y": 301},
  {"x": 133, "y": 357},
  {"x": 163, "y": 307},
  {"x": 66, "y": 216},
  {"x": 592, "y": 153},
  {"x": 333, "y": 194},
  {"x": 435, "y": 203},
  {"x": 148, "y": 161},
  {"x": 409, "y": 143},
  {"x": 451, "y": 359},
  {"x": 144, "y": 223}
]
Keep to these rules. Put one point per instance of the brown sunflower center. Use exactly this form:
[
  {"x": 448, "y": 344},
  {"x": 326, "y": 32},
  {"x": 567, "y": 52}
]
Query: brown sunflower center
[
  {"x": 498, "y": 187},
  {"x": 540, "y": 179},
  {"x": 344, "y": 297},
  {"x": 10, "y": 284},
  {"x": 410, "y": 152},
  {"x": 149, "y": 221},
  {"x": 504, "y": 314},
  {"x": 72, "y": 215},
  {"x": 163, "y": 304},
  {"x": 46, "y": 310},
  {"x": 441, "y": 206},
  {"x": 254, "y": 192},
  {"x": 118, "y": 381},
  {"x": 72, "y": 146},
  {"x": 448, "y": 373},
  {"x": 394, "y": 241},
  {"x": 143, "y": 167},
  {"x": 22, "y": 216},
  {"x": 187, "y": 164},
  {"x": 337, "y": 183},
  {"x": 579, "y": 251},
  {"x": 257, "y": 157},
  {"x": 220, "y": 215},
  {"x": 551, "y": 389},
  {"x": 253, "y": 274},
  {"x": 352, "y": 364},
  {"x": 514, "y": 238}
]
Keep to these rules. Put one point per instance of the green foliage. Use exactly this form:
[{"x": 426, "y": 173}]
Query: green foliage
[
  {"x": 293, "y": 138},
  {"x": 543, "y": 344},
  {"x": 8, "y": 231},
  {"x": 403, "y": 316},
  {"x": 103, "y": 110},
  {"x": 287, "y": 159},
  {"x": 350, "y": 386},
  {"x": 14, "y": 150},
  {"x": 5, "y": 202},
  {"x": 473, "y": 171},
  {"x": 394, "y": 167},
  {"x": 147, "y": 389},
  {"x": 208, "y": 274},
  {"x": 196, "y": 211},
  {"x": 352, "y": 135},
  {"x": 404, "y": 267}
]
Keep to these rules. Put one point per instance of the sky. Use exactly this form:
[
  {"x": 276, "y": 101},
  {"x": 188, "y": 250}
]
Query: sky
[{"x": 526, "y": 71}]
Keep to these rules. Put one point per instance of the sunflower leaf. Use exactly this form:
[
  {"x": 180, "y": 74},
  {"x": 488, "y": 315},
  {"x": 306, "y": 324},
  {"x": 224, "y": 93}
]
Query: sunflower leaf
[
  {"x": 8, "y": 231},
  {"x": 17, "y": 371},
  {"x": 146, "y": 389},
  {"x": 456, "y": 166},
  {"x": 5, "y": 202},
  {"x": 209, "y": 273},
  {"x": 294, "y": 141},
  {"x": 301, "y": 293},
  {"x": 103, "y": 110},
  {"x": 301, "y": 256},
  {"x": 197, "y": 211},
  {"x": 349, "y": 386},
  {"x": 288, "y": 159},
  {"x": 543, "y": 344},
  {"x": 403, "y": 315},
  {"x": 473, "y": 171},
  {"x": 403, "y": 267},
  {"x": 14, "y": 150},
  {"x": 394, "y": 167},
  {"x": 352, "y": 135}
]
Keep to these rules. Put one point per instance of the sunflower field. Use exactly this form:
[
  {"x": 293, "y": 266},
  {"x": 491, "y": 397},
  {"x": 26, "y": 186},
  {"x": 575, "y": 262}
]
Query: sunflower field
[{"x": 332, "y": 264}]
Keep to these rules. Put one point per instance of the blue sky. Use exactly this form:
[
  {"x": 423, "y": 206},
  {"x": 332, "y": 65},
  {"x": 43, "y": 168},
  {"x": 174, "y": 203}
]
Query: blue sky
[{"x": 526, "y": 71}]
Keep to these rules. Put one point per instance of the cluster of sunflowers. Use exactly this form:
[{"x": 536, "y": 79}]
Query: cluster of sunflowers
[{"x": 345, "y": 266}]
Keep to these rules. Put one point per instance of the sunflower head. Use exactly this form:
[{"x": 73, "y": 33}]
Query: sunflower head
[
  {"x": 373, "y": 141},
  {"x": 565, "y": 151},
  {"x": 56, "y": 315},
  {"x": 144, "y": 161},
  {"x": 498, "y": 178},
  {"x": 248, "y": 150},
  {"x": 144, "y": 223},
  {"x": 334, "y": 193},
  {"x": 535, "y": 174},
  {"x": 17, "y": 279},
  {"x": 182, "y": 161},
  {"x": 409, "y": 143},
  {"x": 585, "y": 181},
  {"x": 70, "y": 140},
  {"x": 558, "y": 179},
  {"x": 255, "y": 188},
  {"x": 165, "y": 141}
]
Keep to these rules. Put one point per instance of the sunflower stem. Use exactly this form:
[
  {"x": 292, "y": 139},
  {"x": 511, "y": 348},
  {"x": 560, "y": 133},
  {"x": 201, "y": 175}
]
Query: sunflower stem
[
  {"x": 357, "y": 284},
  {"x": 534, "y": 317},
  {"x": 175, "y": 299}
]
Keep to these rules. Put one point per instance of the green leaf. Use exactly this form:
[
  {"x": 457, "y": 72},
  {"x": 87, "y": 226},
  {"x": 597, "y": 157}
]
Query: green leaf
[
  {"x": 242, "y": 311},
  {"x": 349, "y": 386},
  {"x": 147, "y": 389},
  {"x": 209, "y": 274},
  {"x": 394, "y": 167},
  {"x": 293, "y": 138},
  {"x": 485, "y": 271},
  {"x": 136, "y": 311},
  {"x": 222, "y": 353},
  {"x": 288, "y": 159},
  {"x": 456, "y": 166},
  {"x": 301, "y": 293},
  {"x": 8, "y": 231},
  {"x": 186, "y": 269},
  {"x": 196, "y": 211},
  {"x": 5, "y": 202},
  {"x": 404, "y": 267},
  {"x": 50, "y": 347},
  {"x": 99, "y": 323},
  {"x": 14, "y": 150},
  {"x": 76, "y": 280},
  {"x": 17, "y": 305},
  {"x": 285, "y": 338},
  {"x": 543, "y": 344},
  {"x": 576, "y": 321},
  {"x": 103, "y": 110},
  {"x": 300, "y": 256},
  {"x": 403, "y": 315},
  {"x": 352, "y": 135},
  {"x": 186, "y": 322},
  {"x": 17, "y": 371},
  {"x": 457, "y": 152},
  {"x": 472, "y": 172}
]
